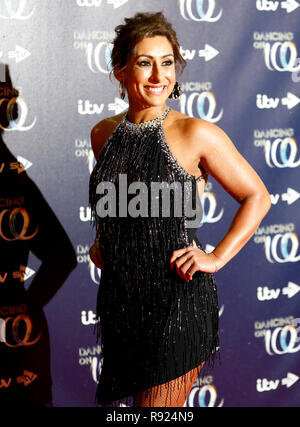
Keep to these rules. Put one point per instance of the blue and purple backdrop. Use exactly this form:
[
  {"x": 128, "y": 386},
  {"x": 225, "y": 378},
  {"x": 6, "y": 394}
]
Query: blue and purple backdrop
[{"x": 242, "y": 73}]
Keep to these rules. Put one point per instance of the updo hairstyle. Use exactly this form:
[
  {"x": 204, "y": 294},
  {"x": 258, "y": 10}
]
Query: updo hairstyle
[{"x": 137, "y": 28}]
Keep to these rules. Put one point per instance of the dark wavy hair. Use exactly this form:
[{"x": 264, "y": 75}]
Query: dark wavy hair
[{"x": 135, "y": 29}]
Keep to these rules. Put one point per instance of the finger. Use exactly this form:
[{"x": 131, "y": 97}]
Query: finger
[
  {"x": 197, "y": 267},
  {"x": 181, "y": 260},
  {"x": 183, "y": 264},
  {"x": 177, "y": 253},
  {"x": 186, "y": 268},
  {"x": 192, "y": 270},
  {"x": 180, "y": 273}
]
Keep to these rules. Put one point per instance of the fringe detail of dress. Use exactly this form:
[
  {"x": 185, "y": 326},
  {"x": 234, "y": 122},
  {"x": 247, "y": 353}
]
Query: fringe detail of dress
[{"x": 154, "y": 326}]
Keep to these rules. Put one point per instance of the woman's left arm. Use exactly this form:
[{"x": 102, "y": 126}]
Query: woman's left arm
[{"x": 222, "y": 160}]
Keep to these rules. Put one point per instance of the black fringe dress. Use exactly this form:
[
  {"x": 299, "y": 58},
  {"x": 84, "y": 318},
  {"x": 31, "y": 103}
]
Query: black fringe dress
[{"x": 154, "y": 326}]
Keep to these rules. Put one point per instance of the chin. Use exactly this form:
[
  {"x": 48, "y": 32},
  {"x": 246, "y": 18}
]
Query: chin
[{"x": 156, "y": 101}]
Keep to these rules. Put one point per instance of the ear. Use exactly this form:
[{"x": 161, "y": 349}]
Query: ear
[{"x": 119, "y": 74}]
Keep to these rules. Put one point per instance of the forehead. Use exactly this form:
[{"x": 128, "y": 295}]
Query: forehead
[{"x": 154, "y": 46}]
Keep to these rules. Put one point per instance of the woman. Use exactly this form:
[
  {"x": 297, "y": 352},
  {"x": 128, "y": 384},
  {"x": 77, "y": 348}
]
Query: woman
[{"x": 157, "y": 300}]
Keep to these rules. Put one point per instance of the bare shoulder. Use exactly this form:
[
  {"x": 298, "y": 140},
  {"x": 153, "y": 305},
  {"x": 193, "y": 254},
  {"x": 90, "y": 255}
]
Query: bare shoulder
[
  {"x": 194, "y": 126},
  {"x": 197, "y": 131},
  {"x": 102, "y": 131}
]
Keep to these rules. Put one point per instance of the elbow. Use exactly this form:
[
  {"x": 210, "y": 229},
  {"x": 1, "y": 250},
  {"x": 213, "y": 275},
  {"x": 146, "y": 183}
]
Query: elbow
[
  {"x": 266, "y": 201},
  {"x": 263, "y": 202},
  {"x": 260, "y": 201}
]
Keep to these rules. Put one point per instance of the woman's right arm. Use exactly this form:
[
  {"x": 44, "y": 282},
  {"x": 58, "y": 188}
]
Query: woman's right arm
[
  {"x": 95, "y": 253},
  {"x": 102, "y": 131},
  {"x": 99, "y": 136}
]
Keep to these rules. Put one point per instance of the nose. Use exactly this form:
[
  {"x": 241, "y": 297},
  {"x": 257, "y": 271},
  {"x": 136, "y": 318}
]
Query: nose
[{"x": 156, "y": 73}]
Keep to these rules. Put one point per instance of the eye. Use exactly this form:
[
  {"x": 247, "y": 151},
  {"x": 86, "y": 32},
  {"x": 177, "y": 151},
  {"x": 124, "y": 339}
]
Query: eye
[
  {"x": 168, "y": 62},
  {"x": 144, "y": 63}
]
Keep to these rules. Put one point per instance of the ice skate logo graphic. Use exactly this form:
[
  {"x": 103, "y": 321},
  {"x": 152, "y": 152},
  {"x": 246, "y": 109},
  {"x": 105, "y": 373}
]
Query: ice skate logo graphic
[
  {"x": 281, "y": 56},
  {"x": 22, "y": 112},
  {"x": 193, "y": 9},
  {"x": 286, "y": 149},
  {"x": 282, "y": 248},
  {"x": 204, "y": 397},
  {"x": 16, "y": 332},
  {"x": 8, "y": 229},
  {"x": 205, "y": 106},
  {"x": 99, "y": 57},
  {"x": 16, "y": 13},
  {"x": 282, "y": 340}
]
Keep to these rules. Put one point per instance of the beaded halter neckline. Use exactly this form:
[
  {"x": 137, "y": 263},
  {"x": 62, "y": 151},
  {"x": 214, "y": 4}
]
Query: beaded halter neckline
[
  {"x": 147, "y": 124},
  {"x": 153, "y": 124}
]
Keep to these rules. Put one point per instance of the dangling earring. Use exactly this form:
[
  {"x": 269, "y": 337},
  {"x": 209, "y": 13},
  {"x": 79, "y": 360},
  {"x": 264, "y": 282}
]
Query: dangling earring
[
  {"x": 122, "y": 90},
  {"x": 176, "y": 92}
]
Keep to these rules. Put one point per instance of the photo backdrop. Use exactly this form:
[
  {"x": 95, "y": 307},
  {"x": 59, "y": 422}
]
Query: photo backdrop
[{"x": 243, "y": 74}]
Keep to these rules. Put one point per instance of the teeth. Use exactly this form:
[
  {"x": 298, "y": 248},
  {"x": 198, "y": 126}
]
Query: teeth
[{"x": 155, "y": 89}]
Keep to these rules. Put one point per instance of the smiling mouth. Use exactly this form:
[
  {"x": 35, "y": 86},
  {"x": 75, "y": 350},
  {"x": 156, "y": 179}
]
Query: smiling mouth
[{"x": 157, "y": 90}]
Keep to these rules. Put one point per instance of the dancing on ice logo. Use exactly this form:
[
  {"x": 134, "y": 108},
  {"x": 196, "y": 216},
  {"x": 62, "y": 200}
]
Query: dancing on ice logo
[
  {"x": 22, "y": 108},
  {"x": 15, "y": 10},
  {"x": 194, "y": 10},
  {"x": 280, "y": 241},
  {"x": 280, "y": 335},
  {"x": 198, "y": 100},
  {"x": 280, "y": 147}
]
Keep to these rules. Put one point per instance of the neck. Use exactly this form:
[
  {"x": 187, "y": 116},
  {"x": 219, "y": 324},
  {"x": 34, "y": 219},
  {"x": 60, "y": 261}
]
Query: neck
[{"x": 144, "y": 114}]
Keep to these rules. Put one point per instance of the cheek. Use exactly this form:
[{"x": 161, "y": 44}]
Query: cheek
[
  {"x": 171, "y": 74},
  {"x": 144, "y": 74},
  {"x": 139, "y": 76}
]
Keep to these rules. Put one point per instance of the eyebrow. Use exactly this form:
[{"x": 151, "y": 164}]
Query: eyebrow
[{"x": 151, "y": 57}]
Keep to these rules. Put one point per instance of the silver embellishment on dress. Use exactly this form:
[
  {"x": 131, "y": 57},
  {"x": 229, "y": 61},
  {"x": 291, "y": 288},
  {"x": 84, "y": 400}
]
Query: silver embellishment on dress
[{"x": 147, "y": 124}]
